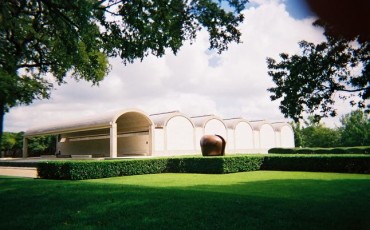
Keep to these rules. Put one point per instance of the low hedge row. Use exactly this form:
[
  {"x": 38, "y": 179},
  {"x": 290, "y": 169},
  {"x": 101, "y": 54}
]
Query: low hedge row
[
  {"x": 338, "y": 150},
  {"x": 80, "y": 170},
  {"x": 317, "y": 163}
]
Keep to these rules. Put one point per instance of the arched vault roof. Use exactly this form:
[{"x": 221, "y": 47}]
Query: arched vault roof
[
  {"x": 201, "y": 121},
  {"x": 256, "y": 125},
  {"x": 279, "y": 125},
  {"x": 100, "y": 121},
  {"x": 160, "y": 119},
  {"x": 231, "y": 123}
]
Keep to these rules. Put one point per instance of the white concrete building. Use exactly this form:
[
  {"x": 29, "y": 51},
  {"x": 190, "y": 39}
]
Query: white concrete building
[
  {"x": 264, "y": 135},
  {"x": 173, "y": 133},
  {"x": 284, "y": 135},
  {"x": 240, "y": 133},
  {"x": 209, "y": 124},
  {"x": 116, "y": 134},
  {"x": 133, "y": 132}
]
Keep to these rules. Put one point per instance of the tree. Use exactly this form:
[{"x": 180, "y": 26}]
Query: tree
[
  {"x": 42, "y": 145},
  {"x": 43, "y": 39},
  {"x": 308, "y": 82},
  {"x": 316, "y": 134},
  {"x": 12, "y": 144},
  {"x": 355, "y": 130},
  {"x": 297, "y": 129}
]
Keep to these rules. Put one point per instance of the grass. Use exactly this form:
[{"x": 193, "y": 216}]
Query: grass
[{"x": 250, "y": 200}]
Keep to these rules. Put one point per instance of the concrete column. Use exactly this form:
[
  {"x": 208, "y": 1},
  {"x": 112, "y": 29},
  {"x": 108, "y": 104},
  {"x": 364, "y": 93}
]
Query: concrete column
[
  {"x": 113, "y": 140},
  {"x": 25, "y": 147}
]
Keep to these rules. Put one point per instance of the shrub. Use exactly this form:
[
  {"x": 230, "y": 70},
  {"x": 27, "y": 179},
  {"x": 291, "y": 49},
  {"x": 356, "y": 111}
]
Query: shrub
[
  {"x": 244, "y": 163},
  {"x": 282, "y": 150},
  {"x": 318, "y": 163},
  {"x": 80, "y": 170},
  {"x": 337, "y": 150}
]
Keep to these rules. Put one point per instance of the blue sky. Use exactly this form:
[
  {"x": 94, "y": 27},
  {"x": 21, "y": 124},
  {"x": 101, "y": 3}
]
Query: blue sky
[
  {"x": 196, "y": 81},
  {"x": 298, "y": 9}
]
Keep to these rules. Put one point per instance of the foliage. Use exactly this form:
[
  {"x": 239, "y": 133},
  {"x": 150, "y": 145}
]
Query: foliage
[
  {"x": 318, "y": 163},
  {"x": 42, "y": 145},
  {"x": 320, "y": 136},
  {"x": 81, "y": 170},
  {"x": 12, "y": 145},
  {"x": 315, "y": 134},
  {"x": 43, "y": 41},
  {"x": 308, "y": 82},
  {"x": 336, "y": 150},
  {"x": 355, "y": 130},
  {"x": 297, "y": 129}
]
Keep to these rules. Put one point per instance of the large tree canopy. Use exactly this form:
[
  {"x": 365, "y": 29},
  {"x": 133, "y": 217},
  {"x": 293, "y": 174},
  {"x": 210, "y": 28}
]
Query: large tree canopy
[
  {"x": 310, "y": 81},
  {"x": 46, "y": 40}
]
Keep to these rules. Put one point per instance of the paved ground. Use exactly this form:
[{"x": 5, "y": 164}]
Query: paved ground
[
  {"x": 23, "y": 170},
  {"x": 18, "y": 171}
]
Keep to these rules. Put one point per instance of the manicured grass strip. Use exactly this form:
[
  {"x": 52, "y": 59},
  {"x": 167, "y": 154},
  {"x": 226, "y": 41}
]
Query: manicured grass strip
[{"x": 249, "y": 200}]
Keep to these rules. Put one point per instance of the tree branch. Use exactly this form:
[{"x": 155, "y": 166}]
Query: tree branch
[{"x": 33, "y": 65}]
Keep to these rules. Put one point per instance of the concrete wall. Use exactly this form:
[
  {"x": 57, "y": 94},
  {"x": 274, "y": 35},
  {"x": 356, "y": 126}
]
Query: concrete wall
[
  {"x": 180, "y": 134},
  {"x": 85, "y": 147},
  {"x": 243, "y": 137},
  {"x": 267, "y": 137},
  {"x": 287, "y": 137},
  {"x": 133, "y": 144},
  {"x": 93, "y": 142},
  {"x": 215, "y": 126}
]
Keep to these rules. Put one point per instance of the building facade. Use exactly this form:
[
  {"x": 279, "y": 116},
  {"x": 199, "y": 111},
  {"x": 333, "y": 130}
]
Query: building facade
[{"x": 132, "y": 132}]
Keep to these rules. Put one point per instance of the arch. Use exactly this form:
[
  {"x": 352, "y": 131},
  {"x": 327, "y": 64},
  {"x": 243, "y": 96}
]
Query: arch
[
  {"x": 284, "y": 134},
  {"x": 174, "y": 133},
  {"x": 215, "y": 126},
  {"x": 179, "y": 134},
  {"x": 209, "y": 124},
  {"x": 243, "y": 136},
  {"x": 287, "y": 137},
  {"x": 267, "y": 136},
  {"x": 133, "y": 133},
  {"x": 240, "y": 134}
]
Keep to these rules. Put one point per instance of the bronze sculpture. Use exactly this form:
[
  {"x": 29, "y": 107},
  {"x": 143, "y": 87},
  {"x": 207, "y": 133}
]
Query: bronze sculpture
[{"x": 212, "y": 145}]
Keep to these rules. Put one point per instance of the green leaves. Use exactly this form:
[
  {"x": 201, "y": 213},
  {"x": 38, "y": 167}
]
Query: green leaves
[
  {"x": 76, "y": 38},
  {"x": 308, "y": 82},
  {"x": 356, "y": 129}
]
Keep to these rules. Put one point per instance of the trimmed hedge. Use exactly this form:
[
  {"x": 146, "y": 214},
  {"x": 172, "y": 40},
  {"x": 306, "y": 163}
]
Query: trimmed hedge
[
  {"x": 81, "y": 170},
  {"x": 338, "y": 150},
  {"x": 318, "y": 163}
]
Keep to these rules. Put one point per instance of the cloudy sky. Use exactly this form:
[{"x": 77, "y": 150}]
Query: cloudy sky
[{"x": 196, "y": 81}]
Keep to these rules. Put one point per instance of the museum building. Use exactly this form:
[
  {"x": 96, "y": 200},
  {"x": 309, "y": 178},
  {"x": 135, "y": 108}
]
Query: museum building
[{"x": 132, "y": 132}]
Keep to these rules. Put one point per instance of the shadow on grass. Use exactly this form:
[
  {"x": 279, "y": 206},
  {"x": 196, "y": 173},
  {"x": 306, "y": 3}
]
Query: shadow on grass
[{"x": 269, "y": 204}]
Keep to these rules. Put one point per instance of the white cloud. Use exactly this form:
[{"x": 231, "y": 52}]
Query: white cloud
[{"x": 196, "y": 81}]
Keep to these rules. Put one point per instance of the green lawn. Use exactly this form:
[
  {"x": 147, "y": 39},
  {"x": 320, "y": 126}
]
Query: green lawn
[{"x": 250, "y": 200}]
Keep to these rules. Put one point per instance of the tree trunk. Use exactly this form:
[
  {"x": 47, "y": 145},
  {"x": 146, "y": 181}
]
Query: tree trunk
[{"x": 2, "y": 113}]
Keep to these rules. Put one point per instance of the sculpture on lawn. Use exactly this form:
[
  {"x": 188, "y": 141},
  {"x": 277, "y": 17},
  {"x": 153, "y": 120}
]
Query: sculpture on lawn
[{"x": 212, "y": 145}]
